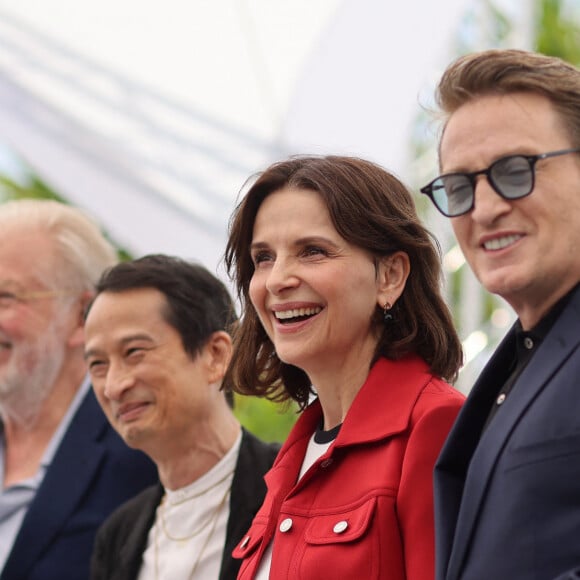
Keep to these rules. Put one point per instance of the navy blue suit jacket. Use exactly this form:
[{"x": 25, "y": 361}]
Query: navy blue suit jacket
[
  {"x": 93, "y": 472},
  {"x": 507, "y": 505}
]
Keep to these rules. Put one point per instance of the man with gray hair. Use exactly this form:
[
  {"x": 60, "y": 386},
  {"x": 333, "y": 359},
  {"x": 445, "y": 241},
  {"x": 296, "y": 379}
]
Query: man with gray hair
[{"x": 63, "y": 469}]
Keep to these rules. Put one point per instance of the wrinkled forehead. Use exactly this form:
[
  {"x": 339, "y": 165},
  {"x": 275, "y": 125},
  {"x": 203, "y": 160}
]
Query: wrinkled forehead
[
  {"x": 28, "y": 256},
  {"x": 499, "y": 124}
]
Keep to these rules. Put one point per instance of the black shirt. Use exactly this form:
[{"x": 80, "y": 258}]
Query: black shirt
[
  {"x": 321, "y": 436},
  {"x": 526, "y": 344}
]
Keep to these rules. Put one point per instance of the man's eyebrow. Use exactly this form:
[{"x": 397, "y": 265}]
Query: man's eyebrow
[{"x": 122, "y": 342}]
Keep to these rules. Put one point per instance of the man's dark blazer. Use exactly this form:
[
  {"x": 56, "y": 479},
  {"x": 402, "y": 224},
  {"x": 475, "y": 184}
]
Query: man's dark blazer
[
  {"x": 507, "y": 506},
  {"x": 92, "y": 473},
  {"x": 122, "y": 540}
]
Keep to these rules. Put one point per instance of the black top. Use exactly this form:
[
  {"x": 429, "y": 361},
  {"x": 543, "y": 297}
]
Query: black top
[
  {"x": 322, "y": 437},
  {"x": 526, "y": 344},
  {"x": 122, "y": 539}
]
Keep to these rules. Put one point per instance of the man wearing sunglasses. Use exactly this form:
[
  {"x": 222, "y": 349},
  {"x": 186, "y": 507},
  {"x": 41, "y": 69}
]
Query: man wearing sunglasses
[{"x": 507, "y": 483}]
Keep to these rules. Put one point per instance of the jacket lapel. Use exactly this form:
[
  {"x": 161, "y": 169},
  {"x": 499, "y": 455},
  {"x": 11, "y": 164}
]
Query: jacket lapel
[
  {"x": 391, "y": 386},
  {"x": 131, "y": 553},
  {"x": 561, "y": 340},
  {"x": 454, "y": 459},
  {"x": 248, "y": 490},
  {"x": 60, "y": 490}
]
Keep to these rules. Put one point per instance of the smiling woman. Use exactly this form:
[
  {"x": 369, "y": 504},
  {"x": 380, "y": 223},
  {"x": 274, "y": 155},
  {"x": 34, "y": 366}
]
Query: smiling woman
[
  {"x": 314, "y": 322},
  {"x": 339, "y": 284}
]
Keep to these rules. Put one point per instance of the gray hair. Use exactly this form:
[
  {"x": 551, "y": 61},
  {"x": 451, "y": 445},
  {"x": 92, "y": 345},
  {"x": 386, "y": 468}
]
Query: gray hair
[{"x": 82, "y": 251}]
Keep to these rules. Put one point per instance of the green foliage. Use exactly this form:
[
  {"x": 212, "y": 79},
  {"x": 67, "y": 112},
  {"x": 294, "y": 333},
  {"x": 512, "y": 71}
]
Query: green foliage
[
  {"x": 482, "y": 19},
  {"x": 557, "y": 34},
  {"x": 32, "y": 187},
  {"x": 269, "y": 421}
]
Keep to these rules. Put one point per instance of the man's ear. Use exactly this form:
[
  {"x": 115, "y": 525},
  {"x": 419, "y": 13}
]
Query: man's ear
[
  {"x": 392, "y": 274},
  {"x": 79, "y": 308},
  {"x": 218, "y": 354}
]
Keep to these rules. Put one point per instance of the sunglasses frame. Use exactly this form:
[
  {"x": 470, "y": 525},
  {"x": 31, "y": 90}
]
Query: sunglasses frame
[{"x": 428, "y": 189}]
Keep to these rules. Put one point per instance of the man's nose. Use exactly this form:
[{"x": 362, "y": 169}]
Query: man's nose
[
  {"x": 488, "y": 203},
  {"x": 117, "y": 381}
]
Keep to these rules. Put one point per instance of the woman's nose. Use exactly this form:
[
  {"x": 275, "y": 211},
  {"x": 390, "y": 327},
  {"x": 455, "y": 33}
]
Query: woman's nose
[{"x": 282, "y": 275}]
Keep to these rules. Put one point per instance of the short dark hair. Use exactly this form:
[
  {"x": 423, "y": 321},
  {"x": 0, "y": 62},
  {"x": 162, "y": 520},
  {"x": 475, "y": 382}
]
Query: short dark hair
[
  {"x": 198, "y": 304},
  {"x": 371, "y": 209}
]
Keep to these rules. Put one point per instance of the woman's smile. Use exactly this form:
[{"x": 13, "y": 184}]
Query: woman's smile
[{"x": 298, "y": 258}]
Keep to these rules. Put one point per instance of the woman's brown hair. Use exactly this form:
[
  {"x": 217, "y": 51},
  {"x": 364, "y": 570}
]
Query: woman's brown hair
[{"x": 371, "y": 209}]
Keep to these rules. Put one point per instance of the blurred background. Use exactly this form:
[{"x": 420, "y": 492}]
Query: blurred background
[{"x": 151, "y": 114}]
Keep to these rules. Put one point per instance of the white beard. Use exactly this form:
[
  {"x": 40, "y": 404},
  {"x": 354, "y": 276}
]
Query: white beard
[{"x": 29, "y": 376}]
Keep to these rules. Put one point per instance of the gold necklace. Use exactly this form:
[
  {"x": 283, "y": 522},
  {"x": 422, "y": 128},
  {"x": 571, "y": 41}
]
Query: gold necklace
[
  {"x": 213, "y": 519},
  {"x": 200, "y": 493},
  {"x": 195, "y": 532}
]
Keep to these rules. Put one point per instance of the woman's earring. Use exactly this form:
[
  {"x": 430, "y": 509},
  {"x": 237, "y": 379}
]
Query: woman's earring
[{"x": 387, "y": 316}]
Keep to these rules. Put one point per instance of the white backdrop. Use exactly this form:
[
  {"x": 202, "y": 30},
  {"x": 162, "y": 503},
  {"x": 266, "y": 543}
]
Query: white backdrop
[{"x": 151, "y": 114}]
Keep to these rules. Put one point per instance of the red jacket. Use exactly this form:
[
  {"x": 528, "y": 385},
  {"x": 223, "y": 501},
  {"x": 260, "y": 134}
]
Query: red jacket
[{"x": 365, "y": 508}]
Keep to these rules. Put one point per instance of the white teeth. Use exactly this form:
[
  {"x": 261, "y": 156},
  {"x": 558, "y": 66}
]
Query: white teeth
[
  {"x": 285, "y": 314},
  {"x": 500, "y": 243}
]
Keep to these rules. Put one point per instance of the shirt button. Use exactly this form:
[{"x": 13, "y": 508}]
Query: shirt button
[
  {"x": 326, "y": 463},
  {"x": 501, "y": 399},
  {"x": 286, "y": 525},
  {"x": 340, "y": 527},
  {"x": 528, "y": 343}
]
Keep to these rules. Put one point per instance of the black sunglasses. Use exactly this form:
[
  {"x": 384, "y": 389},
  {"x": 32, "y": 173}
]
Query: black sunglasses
[{"x": 511, "y": 177}]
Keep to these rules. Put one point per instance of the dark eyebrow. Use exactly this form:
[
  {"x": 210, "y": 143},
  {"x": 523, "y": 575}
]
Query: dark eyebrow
[
  {"x": 258, "y": 246},
  {"x": 299, "y": 242},
  {"x": 517, "y": 152},
  {"x": 123, "y": 342},
  {"x": 11, "y": 286},
  {"x": 91, "y": 352},
  {"x": 314, "y": 240}
]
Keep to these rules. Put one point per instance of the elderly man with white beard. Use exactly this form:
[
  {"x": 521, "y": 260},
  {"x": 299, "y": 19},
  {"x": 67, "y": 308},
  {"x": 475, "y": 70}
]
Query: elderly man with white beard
[{"x": 63, "y": 469}]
